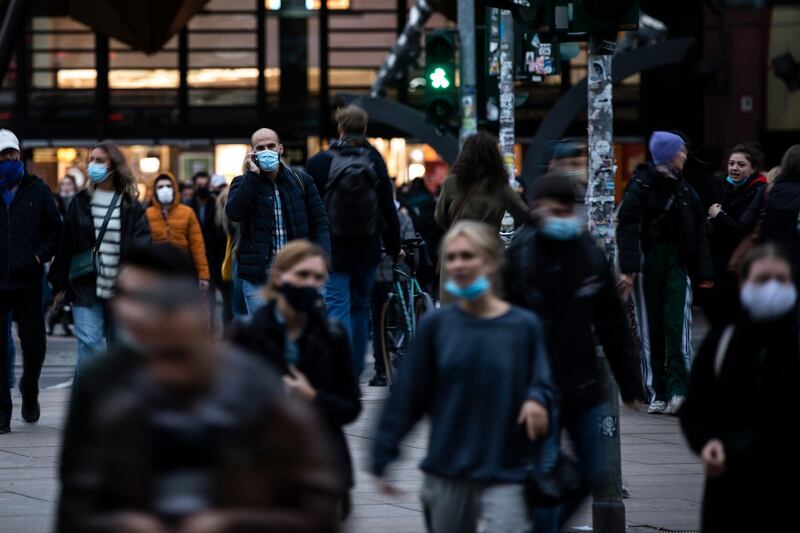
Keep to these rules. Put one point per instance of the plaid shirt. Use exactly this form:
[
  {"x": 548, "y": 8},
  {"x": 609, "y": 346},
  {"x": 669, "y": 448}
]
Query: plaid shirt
[{"x": 279, "y": 232}]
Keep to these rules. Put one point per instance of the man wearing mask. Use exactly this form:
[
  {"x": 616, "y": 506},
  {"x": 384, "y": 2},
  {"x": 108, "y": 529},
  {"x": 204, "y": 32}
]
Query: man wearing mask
[
  {"x": 204, "y": 203},
  {"x": 662, "y": 234},
  {"x": 30, "y": 227},
  {"x": 554, "y": 268},
  {"x": 274, "y": 205},
  {"x": 169, "y": 431}
]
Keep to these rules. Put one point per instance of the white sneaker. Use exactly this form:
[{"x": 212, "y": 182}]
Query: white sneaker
[
  {"x": 674, "y": 405},
  {"x": 657, "y": 407}
]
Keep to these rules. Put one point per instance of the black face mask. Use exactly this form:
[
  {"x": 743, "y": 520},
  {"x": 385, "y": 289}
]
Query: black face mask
[
  {"x": 302, "y": 299},
  {"x": 203, "y": 193}
]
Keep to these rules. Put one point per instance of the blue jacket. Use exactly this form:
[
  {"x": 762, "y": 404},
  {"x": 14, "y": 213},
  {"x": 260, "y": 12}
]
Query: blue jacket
[
  {"x": 30, "y": 227},
  {"x": 251, "y": 202}
]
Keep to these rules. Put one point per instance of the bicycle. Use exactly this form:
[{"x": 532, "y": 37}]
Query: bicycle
[{"x": 402, "y": 310}]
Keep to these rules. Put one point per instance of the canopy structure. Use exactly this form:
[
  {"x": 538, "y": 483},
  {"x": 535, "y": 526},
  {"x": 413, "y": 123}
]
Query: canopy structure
[{"x": 145, "y": 25}]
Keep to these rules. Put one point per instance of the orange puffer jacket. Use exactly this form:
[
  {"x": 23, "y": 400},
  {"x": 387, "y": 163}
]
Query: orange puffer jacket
[{"x": 180, "y": 228}]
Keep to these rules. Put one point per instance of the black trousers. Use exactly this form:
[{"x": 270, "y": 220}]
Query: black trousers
[
  {"x": 26, "y": 307},
  {"x": 380, "y": 290}
]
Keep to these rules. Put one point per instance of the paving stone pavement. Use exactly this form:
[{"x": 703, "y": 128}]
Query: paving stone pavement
[{"x": 664, "y": 477}]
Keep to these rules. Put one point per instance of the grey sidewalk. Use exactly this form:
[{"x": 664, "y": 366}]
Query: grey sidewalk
[{"x": 664, "y": 478}]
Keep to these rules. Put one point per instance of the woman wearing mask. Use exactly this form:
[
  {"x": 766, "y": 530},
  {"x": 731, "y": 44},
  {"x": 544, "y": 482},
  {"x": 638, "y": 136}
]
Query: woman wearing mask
[
  {"x": 753, "y": 365},
  {"x": 293, "y": 333},
  {"x": 67, "y": 188},
  {"x": 487, "y": 394},
  {"x": 102, "y": 221},
  {"x": 171, "y": 221},
  {"x": 733, "y": 195}
]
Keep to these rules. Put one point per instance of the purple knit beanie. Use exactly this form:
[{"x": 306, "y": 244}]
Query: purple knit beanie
[{"x": 664, "y": 146}]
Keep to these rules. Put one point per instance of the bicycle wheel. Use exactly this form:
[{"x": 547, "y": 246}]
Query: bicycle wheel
[
  {"x": 394, "y": 337},
  {"x": 423, "y": 303}
]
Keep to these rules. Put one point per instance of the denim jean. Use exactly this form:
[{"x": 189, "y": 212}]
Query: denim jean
[
  {"x": 348, "y": 295},
  {"x": 253, "y": 296},
  {"x": 91, "y": 329},
  {"x": 584, "y": 431},
  {"x": 238, "y": 303}
]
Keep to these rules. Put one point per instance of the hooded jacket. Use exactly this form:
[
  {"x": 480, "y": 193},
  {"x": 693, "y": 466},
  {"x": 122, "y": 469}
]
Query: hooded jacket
[
  {"x": 30, "y": 227},
  {"x": 180, "y": 227},
  {"x": 644, "y": 219}
]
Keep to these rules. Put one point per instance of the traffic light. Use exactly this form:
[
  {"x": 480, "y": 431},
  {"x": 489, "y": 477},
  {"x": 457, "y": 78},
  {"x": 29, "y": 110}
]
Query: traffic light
[{"x": 441, "y": 93}]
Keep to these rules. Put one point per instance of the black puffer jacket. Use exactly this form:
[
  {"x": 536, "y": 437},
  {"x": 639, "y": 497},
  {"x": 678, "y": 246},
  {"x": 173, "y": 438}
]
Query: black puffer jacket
[
  {"x": 569, "y": 284},
  {"x": 251, "y": 202},
  {"x": 29, "y": 229},
  {"x": 781, "y": 218},
  {"x": 79, "y": 236},
  {"x": 727, "y": 229},
  {"x": 643, "y": 221},
  {"x": 214, "y": 236},
  {"x": 326, "y": 361}
]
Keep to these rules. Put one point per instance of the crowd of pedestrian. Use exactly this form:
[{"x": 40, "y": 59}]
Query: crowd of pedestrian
[{"x": 177, "y": 424}]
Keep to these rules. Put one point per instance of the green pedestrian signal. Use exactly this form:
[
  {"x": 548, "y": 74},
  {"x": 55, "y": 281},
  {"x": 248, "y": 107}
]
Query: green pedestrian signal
[
  {"x": 441, "y": 92},
  {"x": 439, "y": 79}
]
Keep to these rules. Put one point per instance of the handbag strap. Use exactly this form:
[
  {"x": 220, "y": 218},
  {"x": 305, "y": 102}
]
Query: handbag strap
[
  {"x": 762, "y": 213},
  {"x": 461, "y": 206},
  {"x": 106, "y": 220},
  {"x": 722, "y": 349}
]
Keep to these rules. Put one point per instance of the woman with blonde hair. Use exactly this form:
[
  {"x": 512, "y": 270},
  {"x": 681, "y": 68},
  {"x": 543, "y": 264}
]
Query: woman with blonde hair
[
  {"x": 102, "y": 222},
  {"x": 313, "y": 353},
  {"x": 487, "y": 394}
]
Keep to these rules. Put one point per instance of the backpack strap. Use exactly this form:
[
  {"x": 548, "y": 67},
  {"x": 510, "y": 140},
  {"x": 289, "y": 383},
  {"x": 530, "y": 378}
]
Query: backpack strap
[{"x": 722, "y": 349}]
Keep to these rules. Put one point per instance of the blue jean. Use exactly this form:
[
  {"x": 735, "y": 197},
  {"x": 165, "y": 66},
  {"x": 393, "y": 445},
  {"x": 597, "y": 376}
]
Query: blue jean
[
  {"x": 253, "y": 296},
  {"x": 91, "y": 328},
  {"x": 347, "y": 295},
  {"x": 584, "y": 431}
]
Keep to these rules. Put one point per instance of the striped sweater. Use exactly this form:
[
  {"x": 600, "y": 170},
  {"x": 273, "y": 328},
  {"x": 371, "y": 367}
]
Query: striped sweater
[{"x": 110, "y": 247}]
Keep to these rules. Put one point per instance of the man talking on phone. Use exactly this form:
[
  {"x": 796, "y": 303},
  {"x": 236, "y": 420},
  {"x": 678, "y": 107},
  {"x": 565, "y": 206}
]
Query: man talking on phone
[{"x": 274, "y": 204}]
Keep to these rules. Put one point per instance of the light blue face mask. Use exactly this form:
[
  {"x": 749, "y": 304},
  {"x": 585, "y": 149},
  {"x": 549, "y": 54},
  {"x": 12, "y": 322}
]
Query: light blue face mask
[
  {"x": 734, "y": 182},
  {"x": 268, "y": 160},
  {"x": 561, "y": 229},
  {"x": 98, "y": 172},
  {"x": 472, "y": 291}
]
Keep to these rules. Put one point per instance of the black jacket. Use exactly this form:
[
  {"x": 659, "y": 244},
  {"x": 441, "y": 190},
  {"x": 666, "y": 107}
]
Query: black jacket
[
  {"x": 251, "y": 202},
  {"x": 326, "y": 361},
  {"x": 347, "y": 254},
  {"x": 214, "y": 237},
  {"x": 79, "y": 236},
  {"x": 569, "y": 284},
  {"x": 643, "y": 221},
  {"x": 780, "y": 218},
  {"x": 29, "y": 230},
  {"x": 727, "y": 228},
  {"x": 759, "y": 375}
]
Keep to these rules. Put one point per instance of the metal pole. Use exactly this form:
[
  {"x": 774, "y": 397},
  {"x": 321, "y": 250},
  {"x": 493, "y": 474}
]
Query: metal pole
[
  {"x": 466, "y": 36},
  {"x": 13, "y": 26},
  {"x": 506, "y": 91},
  {"x": 608, "y": 511},
  {"x": 183, "y": 78},
  {"x": 102, "y": 95},
  {"x": 261, "y": 60},
  {"x": 324, "y": 82}
]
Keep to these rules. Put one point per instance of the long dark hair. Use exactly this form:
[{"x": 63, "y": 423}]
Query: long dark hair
[
  {"x": 124, "y": 182},
  {"x": 480, "y": 160}
]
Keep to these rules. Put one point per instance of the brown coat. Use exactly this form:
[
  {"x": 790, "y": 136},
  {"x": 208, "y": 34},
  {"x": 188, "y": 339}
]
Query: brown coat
[
  {"x": 484, "y": 205},
  {"x": 180, "y": 227}
]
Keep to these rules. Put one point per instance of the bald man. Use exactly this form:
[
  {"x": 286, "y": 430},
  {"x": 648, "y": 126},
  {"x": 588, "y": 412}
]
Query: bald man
[{"x": 274, "y": 204}]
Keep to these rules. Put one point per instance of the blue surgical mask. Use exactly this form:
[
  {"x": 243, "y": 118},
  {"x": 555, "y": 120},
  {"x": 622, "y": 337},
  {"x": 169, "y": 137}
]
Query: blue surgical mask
[
  {"x": 472, "y": 291},
  {"x": 268, "y": 160},
  {"x": 11, "y": 171},
  {"x": 562, "y": 229},
  {"x": 734, "y": 182},
  {"x": 98, "y": 172}
]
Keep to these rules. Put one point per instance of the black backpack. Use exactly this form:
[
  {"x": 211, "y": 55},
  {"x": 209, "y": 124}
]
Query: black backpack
[{"x": 351, "y": 194}]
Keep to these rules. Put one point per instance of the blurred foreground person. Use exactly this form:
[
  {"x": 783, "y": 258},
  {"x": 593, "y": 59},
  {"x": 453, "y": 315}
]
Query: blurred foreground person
[
  {"x": 554, "y": 268},
  {"x": 169, "y": 432},
  {"x": 312, "y": 352},
  {"x": 487, "y": 393},
  {"x": 754, "y": 365}
]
